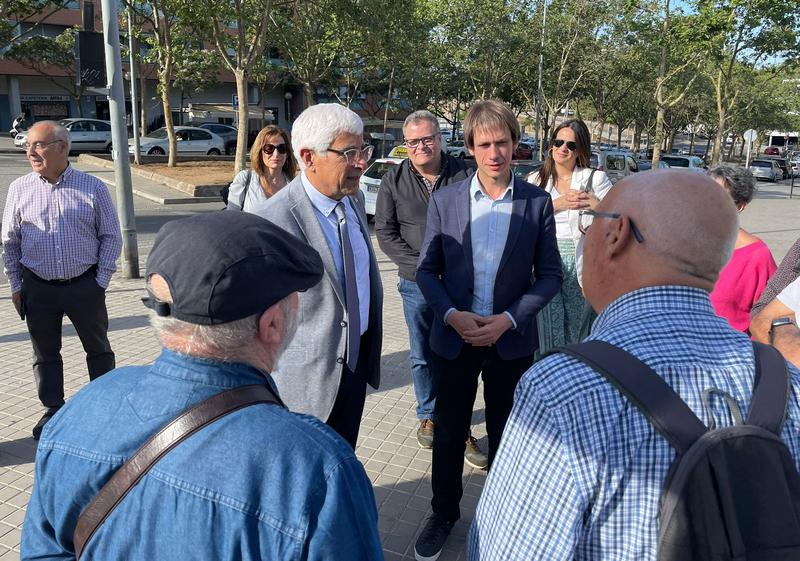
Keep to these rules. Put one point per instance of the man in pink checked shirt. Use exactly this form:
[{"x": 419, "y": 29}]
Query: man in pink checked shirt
[{"x": 61, "y": 239}]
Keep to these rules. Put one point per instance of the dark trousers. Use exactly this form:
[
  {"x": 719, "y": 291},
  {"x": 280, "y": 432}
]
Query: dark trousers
[
  {"x": 84, "y": 303},
  {"x": 345, "y": 417},
  {"x": 458, "y": 385}
]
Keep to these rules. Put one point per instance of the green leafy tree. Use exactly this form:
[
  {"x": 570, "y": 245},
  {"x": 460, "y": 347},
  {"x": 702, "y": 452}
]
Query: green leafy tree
[{"x": 19, "y": 19}]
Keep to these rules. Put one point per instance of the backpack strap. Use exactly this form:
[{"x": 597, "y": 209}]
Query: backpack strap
[
  {"x": 161, "y": 443},
  {"x": 770, "y": 390},
  {"x": 665, "y": 410}
]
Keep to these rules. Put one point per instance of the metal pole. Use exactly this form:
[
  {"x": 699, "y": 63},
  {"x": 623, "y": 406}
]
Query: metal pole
[
  {"x": 539, "y": 86},
  {"x": 134, "y": 73},
  {"x": 119, "y": 139},
  {"x": 747, "y": 153}
]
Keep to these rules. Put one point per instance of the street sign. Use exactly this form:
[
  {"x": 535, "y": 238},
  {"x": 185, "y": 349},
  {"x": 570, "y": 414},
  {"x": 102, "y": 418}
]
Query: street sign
[
  {"x": 750, "y": 135},
  {"x": 235, "y": 101}
]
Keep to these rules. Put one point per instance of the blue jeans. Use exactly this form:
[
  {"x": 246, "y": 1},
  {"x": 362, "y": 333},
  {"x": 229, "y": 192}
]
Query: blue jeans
[{"x": 419, "y": 317}]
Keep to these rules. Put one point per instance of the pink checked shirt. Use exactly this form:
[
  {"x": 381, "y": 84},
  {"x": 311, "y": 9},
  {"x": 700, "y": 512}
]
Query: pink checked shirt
[{"x": 60, "y": 230}]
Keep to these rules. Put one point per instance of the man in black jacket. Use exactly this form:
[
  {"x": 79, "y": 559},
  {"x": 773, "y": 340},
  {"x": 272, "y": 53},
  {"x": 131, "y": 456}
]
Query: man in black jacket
[{"x": 400, "y": 215}]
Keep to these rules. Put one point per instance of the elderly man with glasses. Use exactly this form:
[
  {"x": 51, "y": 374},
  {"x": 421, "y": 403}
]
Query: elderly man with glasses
[
  {"x": 336, "y": 353},
  {"x": 61, "y": 239},
  {"x": 400, "y": 217},
  {"x": 580, "y": 470}
]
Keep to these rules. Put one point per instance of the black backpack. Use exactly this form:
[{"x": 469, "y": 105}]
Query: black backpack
[{"x": 732, "y": 493}]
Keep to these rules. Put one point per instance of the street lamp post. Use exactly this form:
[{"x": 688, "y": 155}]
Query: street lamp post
[
  {"x": 539, "y": 86},
  {"x": 119, "y": 141},
  {"x": 134, "y": 102},
  {"x": 288, "y": 97}
]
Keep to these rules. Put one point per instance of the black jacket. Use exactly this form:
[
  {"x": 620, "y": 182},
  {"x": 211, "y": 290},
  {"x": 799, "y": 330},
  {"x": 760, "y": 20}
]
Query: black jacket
[{"x": 402, "y": 209}]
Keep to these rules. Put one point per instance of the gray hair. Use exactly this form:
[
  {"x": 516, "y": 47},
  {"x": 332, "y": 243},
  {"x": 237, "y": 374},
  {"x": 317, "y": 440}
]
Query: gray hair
[
  {"x": 738, "y": 180},
  {"x": 318, "y": 126},
  {"x": 422, "y": 115},
  {"x": 59, "y": 131},
  {"x": 227, "y": 342}
]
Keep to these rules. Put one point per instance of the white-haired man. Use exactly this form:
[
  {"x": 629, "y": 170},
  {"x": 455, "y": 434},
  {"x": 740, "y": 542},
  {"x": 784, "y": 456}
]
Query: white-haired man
[
  {"x": 61, "y": 240},
  {"x": 337, "y": 351},
  {"x": 259, "y": 483}
]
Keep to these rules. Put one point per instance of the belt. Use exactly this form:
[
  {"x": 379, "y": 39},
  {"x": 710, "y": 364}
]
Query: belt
[{"x": 90, "y": 272}]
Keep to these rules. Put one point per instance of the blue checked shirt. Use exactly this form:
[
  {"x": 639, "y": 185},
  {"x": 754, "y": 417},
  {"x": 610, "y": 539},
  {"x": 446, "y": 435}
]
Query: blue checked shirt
[{"x": 579, "y": 471}]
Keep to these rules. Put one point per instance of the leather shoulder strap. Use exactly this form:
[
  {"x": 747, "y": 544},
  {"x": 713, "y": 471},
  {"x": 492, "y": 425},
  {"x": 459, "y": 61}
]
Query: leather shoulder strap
[
  {"x": 770, "y": 390},
  {"x": 175, "y": 432},
  {"x": 645, "y": 389}
]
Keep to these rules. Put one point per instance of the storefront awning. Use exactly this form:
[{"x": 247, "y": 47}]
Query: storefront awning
[{"x": 199, "y": 111}]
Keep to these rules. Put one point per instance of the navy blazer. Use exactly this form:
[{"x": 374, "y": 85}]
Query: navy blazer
[{"x": 528, "y": 277}]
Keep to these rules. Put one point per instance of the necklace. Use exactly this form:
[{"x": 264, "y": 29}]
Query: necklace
[{"x": 565, "y": 178}]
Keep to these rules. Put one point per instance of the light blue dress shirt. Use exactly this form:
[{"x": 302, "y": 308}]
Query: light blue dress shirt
[{"x": 324, "y": 210}]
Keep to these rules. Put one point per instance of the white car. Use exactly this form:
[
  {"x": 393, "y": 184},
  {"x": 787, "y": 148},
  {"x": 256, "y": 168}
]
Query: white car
[
  {"x": 85, "y": 135},
  {"x": 457, "y": 149},
  {"x": 371, "y": 181},
  {"x": 692, "y": 163},
  {"x": 191, "y": 140}
]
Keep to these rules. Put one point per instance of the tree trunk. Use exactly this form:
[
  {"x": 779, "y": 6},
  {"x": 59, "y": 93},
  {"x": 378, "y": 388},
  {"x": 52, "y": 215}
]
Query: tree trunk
[
  {"x": 308, "y": 89},
  {"x": 721, "y": 115},
  {"x": 731, "y": 149},
  {"x": 243, "y": 117},
  {"x": 386, "y": 114},
  {"x": 659, "y": 136},
  {"x": 619, "y": 137},
  {"x": 173, "y": 143},
  {"x": 708, "y": 145},
  {"x": 142, "y": 102},
  {"x": 691, "y": 142}
]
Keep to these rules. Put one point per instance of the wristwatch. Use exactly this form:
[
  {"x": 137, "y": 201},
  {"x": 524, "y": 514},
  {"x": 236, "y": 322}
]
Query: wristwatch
[{"x": 778, "y": 322}]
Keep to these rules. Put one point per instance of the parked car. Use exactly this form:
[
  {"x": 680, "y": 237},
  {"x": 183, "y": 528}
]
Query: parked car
[
  {"x": 370, "y": 181},
  {"x": 399, "y": 151},
  {"x": 616, "y": 163},
  {"x": 226, "y": 132},
  {"x": 458, "y": 149},
  {"x": 692, "y": 163},
  {"x": 766, "y": 169},
  {"x": 783, "y": 163},
  {"x": 523, "y": 168},
  {"x": 191, "y": 140},
  {"x": 524, "y": 151},
  {"x": 772, "y": 151}
]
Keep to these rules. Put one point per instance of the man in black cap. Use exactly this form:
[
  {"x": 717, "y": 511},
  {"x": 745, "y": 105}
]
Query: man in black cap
[{"x": 259, "y": 483}]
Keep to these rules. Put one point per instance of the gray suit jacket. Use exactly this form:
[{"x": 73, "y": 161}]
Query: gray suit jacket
[{"x": 309, "y": 371}]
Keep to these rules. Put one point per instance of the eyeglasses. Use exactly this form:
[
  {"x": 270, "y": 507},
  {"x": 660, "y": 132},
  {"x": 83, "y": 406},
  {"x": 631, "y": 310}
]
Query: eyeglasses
[
  {"x": 354, "y": 155},
  {"x": 571, "y": 146},
  {"x": 426, "y": 140},
  {"x": 38, "y": 145},
  {"x": 585, "y": 227},
  {"x": 269, "y": 149}
]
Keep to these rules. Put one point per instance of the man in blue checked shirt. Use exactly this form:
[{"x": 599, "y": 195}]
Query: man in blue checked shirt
[
  {"x": 61, "y": 240},
  {"x": 579, "y": 472}
]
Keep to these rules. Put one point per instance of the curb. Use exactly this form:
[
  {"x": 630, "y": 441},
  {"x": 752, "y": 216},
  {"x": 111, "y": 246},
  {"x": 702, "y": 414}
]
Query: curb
[
  {"x": 205, "y": 192},
  {"x": 165, "y": 200}
]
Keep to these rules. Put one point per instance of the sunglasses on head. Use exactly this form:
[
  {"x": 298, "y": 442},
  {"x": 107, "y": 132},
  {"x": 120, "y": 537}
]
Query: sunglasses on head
[
  {"x": 270, "y": 148},
  {"x": 571, "y": 146}
]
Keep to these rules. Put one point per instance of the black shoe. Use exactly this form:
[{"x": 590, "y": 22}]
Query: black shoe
[
  {"x": 37, "y": 429},
  {"x": 431, "y": 540}
]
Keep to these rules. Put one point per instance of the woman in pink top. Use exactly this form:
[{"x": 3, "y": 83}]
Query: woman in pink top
[{"x": 746, "y": 274}]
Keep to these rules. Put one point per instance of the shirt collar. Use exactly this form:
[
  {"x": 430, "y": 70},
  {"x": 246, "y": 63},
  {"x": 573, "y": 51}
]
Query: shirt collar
[
  {"x": 476, "y": 190},
  {"x": 207, "y": 371},
  {"x": 64, "y": 175},
  {"x": 672, "y": 299},
  {"x": 321, "y": 202}
]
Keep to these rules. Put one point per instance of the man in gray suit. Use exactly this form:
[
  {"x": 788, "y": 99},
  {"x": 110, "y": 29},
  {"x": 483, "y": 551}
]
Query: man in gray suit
[{"x": 337, "y": 349}]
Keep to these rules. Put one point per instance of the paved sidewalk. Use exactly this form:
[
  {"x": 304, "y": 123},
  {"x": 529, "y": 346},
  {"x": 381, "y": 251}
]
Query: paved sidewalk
[{"x": 398, "y": 468}]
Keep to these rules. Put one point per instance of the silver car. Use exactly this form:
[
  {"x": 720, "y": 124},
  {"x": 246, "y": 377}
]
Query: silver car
[
  {"x": 616, "y": 163},
  {"x": 692, "y": 163},
  {"x": 190, "y": 140},
  {"x": 766, "y": 169},
  {"x": 88, "y": 135}
]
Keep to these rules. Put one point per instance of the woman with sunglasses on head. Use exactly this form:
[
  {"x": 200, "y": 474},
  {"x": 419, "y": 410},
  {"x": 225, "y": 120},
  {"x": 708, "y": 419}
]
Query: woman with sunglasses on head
[
  {"x": 272, "y": 166},
  {"x": 574, "y": 187}
]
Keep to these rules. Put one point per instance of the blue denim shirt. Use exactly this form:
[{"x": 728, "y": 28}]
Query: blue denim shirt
[{"x": 260, "y": 483}]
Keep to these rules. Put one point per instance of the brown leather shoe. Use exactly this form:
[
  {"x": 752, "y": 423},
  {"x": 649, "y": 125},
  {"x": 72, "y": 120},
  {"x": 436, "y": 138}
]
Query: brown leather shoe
[{"x": 425, "y": 434}]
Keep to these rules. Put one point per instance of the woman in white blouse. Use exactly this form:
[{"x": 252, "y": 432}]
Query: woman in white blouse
[
  {"x": 272, "y": 166},
  {"x": 574, "y": 187}
]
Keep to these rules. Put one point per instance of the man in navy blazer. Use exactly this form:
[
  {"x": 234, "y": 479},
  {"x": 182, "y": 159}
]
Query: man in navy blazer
[{"x": 489, "y": 262}]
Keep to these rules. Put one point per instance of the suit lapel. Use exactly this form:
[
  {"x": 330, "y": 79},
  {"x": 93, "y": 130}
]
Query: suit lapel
[
  {"x": 463, "y": 214},
  {"x": 306, "y": 218},
  {"x": 518, "y": 206}
]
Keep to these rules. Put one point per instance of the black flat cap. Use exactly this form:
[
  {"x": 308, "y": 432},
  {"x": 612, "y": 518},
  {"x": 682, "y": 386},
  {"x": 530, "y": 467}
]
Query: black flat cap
[{"x": 228, "y": 265}]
